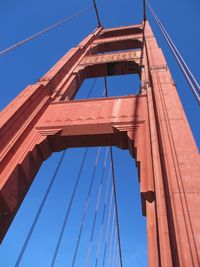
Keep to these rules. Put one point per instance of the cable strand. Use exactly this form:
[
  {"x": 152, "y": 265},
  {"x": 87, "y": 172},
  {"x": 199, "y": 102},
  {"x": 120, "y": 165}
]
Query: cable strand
[
  {"x": 69, "y": 208},
  {"x": 40, "y": 209}
]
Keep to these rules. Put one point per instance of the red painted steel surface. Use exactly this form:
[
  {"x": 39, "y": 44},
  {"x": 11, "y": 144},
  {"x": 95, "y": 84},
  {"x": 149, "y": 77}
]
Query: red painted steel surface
[
  {"x": 177, "y": 170},
  {"x": 152, "y": 126}
]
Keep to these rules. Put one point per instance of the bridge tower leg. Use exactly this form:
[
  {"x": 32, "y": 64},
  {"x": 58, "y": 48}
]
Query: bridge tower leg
[{"x": 44, "y": 118}]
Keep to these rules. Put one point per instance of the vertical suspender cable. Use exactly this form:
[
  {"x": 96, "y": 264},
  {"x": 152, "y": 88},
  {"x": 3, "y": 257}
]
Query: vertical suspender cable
[
  {"x": 73, "y": 194},
  {"x": 102, "y": 220},
  {"x": 117, "y": 262},
  {"x": 97, "y": 13},
  {"x": 114, "y": 190},
  {"x": 116, "y": 207},
  {"x": 69, "y": 208},
  {"x": 96, "y": 209},
  {"x": 107, "y": 227},
  {"x": 144, "y": 10},
  {"x": 91, "y": 88},
  {"x": 111, "y": 237},
  {"x": 114, "y": 248},
  {"x": 194, "y": 86},
  {"x": 86, "y": 207},
  {"x": 87, "y": 199},
  {"x": 40, "y": 209}
]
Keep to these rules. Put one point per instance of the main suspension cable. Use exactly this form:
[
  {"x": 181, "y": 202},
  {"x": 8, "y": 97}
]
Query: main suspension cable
[
  {"x": 114, "y": 189},
  {"x": 40, "y": 209},
  {"x": 193, "y": 84},
  {"x": 69, "y": 208},
  {"x": 53, "y": 26}
]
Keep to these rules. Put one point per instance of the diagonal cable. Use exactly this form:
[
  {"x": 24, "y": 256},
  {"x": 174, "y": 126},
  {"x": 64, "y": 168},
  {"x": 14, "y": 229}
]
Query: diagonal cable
[{"x": 40, "y": 209}]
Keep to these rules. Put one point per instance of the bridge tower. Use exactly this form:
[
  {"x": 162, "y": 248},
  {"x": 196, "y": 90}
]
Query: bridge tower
[{"x": 152, "y": 125}]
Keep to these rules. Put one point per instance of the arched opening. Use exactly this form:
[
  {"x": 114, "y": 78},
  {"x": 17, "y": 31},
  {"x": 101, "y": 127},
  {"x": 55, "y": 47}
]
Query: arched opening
[{"x": 44, "y": 238}]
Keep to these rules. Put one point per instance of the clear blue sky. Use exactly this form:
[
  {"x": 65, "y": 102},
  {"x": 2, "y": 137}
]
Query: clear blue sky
[{"x": 18, "y": 20}]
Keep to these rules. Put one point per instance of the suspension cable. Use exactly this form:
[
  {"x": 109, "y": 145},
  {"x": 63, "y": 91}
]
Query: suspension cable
[
  {"x": 182, "y": 60},
  {"x": 96, "y": 209},
  {"x": 114, "y": 189},
  {"x": 55, "y": 25},
  {"x": 107, "y": 227},
  {"x": 40, "y": 209},
  {"x": 97, "y": 13},
  {"x": 144, "y": 10},
  {"x": 193, "y": 84},
  {"x": 114, "y": 248},
  {"x": 69, "y": 208},
  {"x": 102, "y": 219},
  {"x": 91, "y": 88},
  {"x": 73, "y": 194},
  {"x": 86, "y": 207},
  {"x": 175, "y": 48},
  {"x": 116, "y": 206},
  {"x": 111, "y": 236},
  {"x": 117, "y": 262}
]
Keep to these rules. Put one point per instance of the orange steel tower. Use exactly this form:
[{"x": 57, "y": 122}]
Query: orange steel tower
[{"x": 151, "y": 125}]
